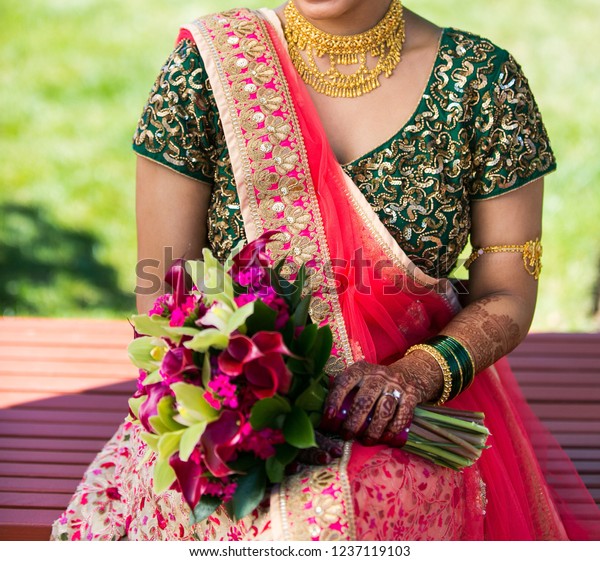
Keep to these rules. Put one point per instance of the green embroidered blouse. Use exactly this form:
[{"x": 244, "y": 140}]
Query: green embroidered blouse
[{"x": 477, "y": 133}]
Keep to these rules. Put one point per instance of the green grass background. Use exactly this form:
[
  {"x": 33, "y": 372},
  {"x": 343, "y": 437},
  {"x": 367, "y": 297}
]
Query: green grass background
[{"x": 74, "y": 75}]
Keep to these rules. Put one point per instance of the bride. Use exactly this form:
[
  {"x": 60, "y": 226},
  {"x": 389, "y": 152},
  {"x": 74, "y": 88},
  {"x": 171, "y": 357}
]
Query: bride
[{"x": 364, "y": 135}]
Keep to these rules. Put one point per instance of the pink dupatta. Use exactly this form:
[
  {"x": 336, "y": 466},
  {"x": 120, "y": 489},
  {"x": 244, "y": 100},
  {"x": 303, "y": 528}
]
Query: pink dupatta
[{"x": 376, "y": 300}]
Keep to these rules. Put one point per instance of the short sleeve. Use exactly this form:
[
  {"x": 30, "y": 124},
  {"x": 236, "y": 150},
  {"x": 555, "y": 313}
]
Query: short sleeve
[
  {"x": 178, "y": 124},
  {"x": 512, "y": 147}
]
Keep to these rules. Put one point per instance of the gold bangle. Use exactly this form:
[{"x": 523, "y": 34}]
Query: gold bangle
[
  {"x": 531, "y": 250},
  {"x": 442, "y": 364}
]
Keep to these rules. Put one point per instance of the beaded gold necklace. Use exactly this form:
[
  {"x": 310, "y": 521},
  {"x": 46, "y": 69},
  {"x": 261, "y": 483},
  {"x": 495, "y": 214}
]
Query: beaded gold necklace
[{"x": 384, "y": 42}]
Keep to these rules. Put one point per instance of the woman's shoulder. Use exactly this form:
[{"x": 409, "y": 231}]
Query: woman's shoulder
[{"x": 473, "y": 47}]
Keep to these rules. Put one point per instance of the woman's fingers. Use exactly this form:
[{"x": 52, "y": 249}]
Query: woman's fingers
[
  {"x": 341, "y": 386},
  {"x": 384, "y": 413},
  {"x": 329, "y": 445},
  {"x": 362, "y": 405},
  {"x": 395, "y": 433}
]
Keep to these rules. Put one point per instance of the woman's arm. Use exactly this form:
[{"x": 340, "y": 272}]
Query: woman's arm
[
  {"x": 501, "y": 305},
  {"x": 171, "y": 215}
]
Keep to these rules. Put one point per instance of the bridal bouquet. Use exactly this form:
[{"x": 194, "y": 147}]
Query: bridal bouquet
[{"x": 232, "y": 384}]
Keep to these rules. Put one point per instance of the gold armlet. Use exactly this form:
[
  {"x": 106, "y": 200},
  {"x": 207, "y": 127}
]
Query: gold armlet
[{"x": 531, "y": 250}]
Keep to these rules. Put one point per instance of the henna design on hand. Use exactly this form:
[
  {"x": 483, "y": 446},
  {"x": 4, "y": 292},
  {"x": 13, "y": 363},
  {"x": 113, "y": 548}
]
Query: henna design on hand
[
  {"x": 414, "y": 377},
  {"x": 488, "y": 336}
]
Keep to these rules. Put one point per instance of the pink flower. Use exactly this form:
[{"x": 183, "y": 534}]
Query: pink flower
[
  {"x": 261, "y": 443},
  {"x": 250, "y": 265},
  {"x": 260, "y": 361},
  {"x": 175, "y": 277},
  {"x": 161, "y": 304},
  {"x": 219, "y": 442},
  {"x": 177, "y": 318},
  {"x": 148, "y": 408},
  {"x": 222, "y": 386},
  {"x": 211, "y": 400},
  {"x": 190, "y": 481},
  {"x": 178, "y": 362}
]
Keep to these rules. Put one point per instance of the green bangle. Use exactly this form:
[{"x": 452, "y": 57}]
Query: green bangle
[{"x": 462, "y": 362}]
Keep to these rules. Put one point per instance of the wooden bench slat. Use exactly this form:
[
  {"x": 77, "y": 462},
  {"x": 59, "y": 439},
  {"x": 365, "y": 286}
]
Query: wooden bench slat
[
  {"x": 113, "y": 401},
  {"x": 41, "y": 471},
  {"x": 552, "y": 364},
  {"x": 56, "y": 429},
  {"x": 26, "y": 524},
  {"x": 62, "y": 417},
  {"x": 36, "y": 500},
  {"x": 35, "y": 485},
  {"x": 50, "y": 457},
  {"x": 579, "y": 394},
  {"x": 48, "y": 444},
  {"x": 536, "y": 378}
]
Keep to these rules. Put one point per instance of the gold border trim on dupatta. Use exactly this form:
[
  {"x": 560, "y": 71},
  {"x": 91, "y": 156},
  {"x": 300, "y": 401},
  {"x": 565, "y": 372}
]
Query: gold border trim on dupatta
[
  {"x": 269, "y": 159},
  {"x": 276, "y": 192}
]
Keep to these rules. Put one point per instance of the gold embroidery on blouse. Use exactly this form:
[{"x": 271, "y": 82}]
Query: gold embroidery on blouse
[{"x": 476, "y": 133}]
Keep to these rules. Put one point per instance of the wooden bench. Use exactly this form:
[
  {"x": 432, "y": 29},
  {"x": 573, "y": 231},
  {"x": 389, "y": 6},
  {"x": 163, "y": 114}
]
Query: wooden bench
[{"x": 64, "y": 386}]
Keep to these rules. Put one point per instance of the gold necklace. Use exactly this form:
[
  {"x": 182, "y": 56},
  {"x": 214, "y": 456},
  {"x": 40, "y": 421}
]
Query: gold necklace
[{"x": 384, "y": 42}]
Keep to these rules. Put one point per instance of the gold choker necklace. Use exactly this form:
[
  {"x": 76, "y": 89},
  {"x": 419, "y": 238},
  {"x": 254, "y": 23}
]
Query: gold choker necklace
[{"x": 384, "y": 42}]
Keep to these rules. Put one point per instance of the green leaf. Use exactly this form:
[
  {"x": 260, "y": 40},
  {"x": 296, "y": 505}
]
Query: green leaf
[
  {"x": 265, "y": 411},
  {"x": 152, "y": 378},
  {"x": 189, "y": 440},
  {"x": 298, "y": 429},
  {"x": 168, "y": 444},
  {"x": 300, "y": 316},
  {"x": 176, "y": 332},
  {"x": 166, "y": 411},
  {"x": 249, "y": 492},
  {"x": 235, "y": 250},
  {"x": 134, "y": 404},
  {"x": 216, "y": 283},
  {"x": 191, "y": 403},
  {"x": 275, "y": 470},
  {"x": 205, "y": 507},
  {"x": 139, "y": 352},
  {"x": 206, "y": 369},
  {"x": 164, "y": 475},
  {"x": 298, "y": 286},
  {"x": 286, "y": 453},
  {"x": 194, "y": 268},
  {"x": 263, "y": 318},
  {"x": 288, "y": 333},
  {"x": 303, "y": 345},
  {"x": 206, "y": 339},
  {"x": 151, "y": 440},
  {"x": 158, "y": 426},
  {"x": 322, "y": 349},
  {"x": 238, "y": 318},
  {"x": 313, "y": 397},
  {"x": 150, "y": 325}
]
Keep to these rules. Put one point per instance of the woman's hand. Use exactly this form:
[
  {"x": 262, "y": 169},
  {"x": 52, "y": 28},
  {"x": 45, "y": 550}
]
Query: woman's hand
[
  {"x": 324, "y": 453},
  {"x": 386, "y": 394}
]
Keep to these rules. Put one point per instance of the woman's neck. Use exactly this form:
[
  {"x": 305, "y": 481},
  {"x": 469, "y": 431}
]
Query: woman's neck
[{"x": 341, "y": 17}]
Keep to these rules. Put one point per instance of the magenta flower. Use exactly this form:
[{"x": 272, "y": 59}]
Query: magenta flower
[
  {"x": 177, "y": 362},
  {"x": 260, "y": 361},
  {"x": 219, "y": 442},
  {"x": 250, "y": 265},
  {"x": 190, "y": 481},
  {"x": 175, "y": 277},
  {"x": 148, "y": 408}
]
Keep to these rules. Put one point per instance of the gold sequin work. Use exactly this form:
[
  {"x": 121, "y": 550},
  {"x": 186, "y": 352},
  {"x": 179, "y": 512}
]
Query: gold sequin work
[{"x": 476, "y": 134}]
